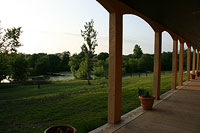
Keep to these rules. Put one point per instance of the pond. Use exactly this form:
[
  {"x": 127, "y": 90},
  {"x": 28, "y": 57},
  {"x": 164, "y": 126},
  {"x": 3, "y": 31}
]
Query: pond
[{"x": 62, "y": 76}]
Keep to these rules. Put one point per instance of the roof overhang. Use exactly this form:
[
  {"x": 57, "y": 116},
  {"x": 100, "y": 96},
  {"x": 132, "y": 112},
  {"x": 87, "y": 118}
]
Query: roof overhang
[{"x": 179, "y": 16}]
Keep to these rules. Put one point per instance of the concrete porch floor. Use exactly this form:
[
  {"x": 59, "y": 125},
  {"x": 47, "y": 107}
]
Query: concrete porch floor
[{"x": 178, "y": 113}]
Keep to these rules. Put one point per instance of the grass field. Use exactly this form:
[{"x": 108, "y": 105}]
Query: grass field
[{"x": 27, "y": 109}]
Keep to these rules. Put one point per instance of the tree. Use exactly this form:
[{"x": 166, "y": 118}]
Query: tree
[
  {"x": 137, "y": 51},
  {"x": 65, "y": 61},
  {"x": 82, "y": 71},
  {"x": 166, "y": 61},
  {"x": 101, "y": 68},
  {"x": 54, "y": 62},
  {"x": 149, "y": 62},
  {"x": 5, "y": 66},
  {"x": 132, "y": 66},
  {"x": 9, "y": 42},
  {"x": 99, "y": 71},
  {"x": 88, "y": 48},
  {"x": 32, "y": 60},
  {"x": 74, "y": 63},
  {"x": 145, "y": 63},
  {"x": 141, "y": 66},
  {"x": 19, "y": 68},
  {"x": 103, "y": 56},
  {"x": 42, "y": 65}
]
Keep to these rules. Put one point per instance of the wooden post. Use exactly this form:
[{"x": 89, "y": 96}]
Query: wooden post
[
  {"x": 194, "y": 59},
  {"x": 181, "y": 60},
  {"x": 197, "y": 67},
  {"x": 174, "y": 63},
  {"x": 115, "y": 68},
  {"x": 188, "y": 61},
  {"x": 157, "y": 64}
]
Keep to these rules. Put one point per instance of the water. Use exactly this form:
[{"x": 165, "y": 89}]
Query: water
[
  {"x": 63, "y": 76},
  {"x": 6, "y": 80}
]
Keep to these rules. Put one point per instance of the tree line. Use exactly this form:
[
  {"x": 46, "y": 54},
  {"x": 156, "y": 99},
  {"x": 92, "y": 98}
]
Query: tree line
[{"x": 84, "y": 65}]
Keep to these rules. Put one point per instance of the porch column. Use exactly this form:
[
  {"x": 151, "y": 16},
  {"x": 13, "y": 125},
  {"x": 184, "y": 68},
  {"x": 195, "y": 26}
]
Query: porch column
[
  {"x": 115, "y": 68},
  {"x": 194, "y": 59},
  {"x": 197, "y": 67},
  {"x": 188, "y": 61},
  {"x": 174, "y": 63},
  {"x": 157, "y": 64},
  {"x": 181, "y": 59}
]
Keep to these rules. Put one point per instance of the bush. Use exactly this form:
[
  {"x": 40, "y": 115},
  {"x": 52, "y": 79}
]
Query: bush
[
  {"x": 82, "y": 71},
  {"x": 98, "y": 71},
  {"x": 143, "y": 93}
]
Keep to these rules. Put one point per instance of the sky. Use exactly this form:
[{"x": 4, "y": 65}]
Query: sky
[{"x": 54, "y": 26}]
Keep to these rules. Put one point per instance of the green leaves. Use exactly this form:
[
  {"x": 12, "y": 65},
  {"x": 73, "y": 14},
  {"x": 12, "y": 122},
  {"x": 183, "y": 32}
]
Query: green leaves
[
  {"x": 90, "y": 42},
  {"x": 19, "y": 68},
  {"x": 143, "y": 93},
  {"x": 137, "y": 51},
  {"x": 5, "y": 65},
  {"x": 9, "y": 42}
]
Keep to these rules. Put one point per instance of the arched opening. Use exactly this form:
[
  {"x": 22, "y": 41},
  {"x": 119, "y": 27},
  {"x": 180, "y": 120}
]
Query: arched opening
[
  {"x": 193, "y": 60},
  {"x": 181, "y": 62},
  {"x": 137, "y": 69},
  {"x": 137, "y": 31},
  {"x": 166, "y": 62},
  {"x": 185, "y": 63}
]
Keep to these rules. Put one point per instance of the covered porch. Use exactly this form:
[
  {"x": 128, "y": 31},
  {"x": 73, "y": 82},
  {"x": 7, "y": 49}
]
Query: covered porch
[
  {"x": 180, "y": 19},
  {"x": 179, "y": 112},
  {"x": 176, "y": 111}
]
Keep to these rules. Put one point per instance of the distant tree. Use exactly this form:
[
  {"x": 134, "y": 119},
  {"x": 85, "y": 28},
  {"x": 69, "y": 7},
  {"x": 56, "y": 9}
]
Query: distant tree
[
  {"x": 82, "y": 71},
  {"x": 185, "y": 60},
  {"x": 125, "y": 59},
  {"x": 145, "y": 63},
  {"x": 88, "y": 48},
  {"x": 9, "y": 42},
  {"x": 103, "y": 56},
  {"x": 126, "y": 65},
  {"x": 99, "y": 71},
  {"x": 137, "y": 51},
  {"x": 74, "y": 63},
  {"x": 42, "y": 65},
  {"x": 149, "y": 62},
  {"x": 54, "y": 63},
  {"x": 141, "y": 66},
  {"x": 99, "y": 68},
  {"x": 5, "y": 66},
  {"x": 19, "y": 68},
  {"x": 65, "y": 61},
  {"x": 33, "y": 59},
  {"x": 166, "y": 61},
  {"x": 132, "y": 66},
  {"x": 106, "y": 66}
]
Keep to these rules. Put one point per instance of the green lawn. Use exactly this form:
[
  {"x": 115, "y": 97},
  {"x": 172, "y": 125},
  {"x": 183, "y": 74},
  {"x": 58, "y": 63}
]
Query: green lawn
[{"x": 27, "y": 109}]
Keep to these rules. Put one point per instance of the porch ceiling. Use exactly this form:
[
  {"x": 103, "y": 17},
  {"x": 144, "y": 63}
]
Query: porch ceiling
[{"x": 180, "y": 16}]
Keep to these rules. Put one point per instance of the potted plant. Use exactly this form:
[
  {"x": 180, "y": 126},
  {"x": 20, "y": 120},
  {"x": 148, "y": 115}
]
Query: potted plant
[
  {"x": 146, "y": 99},
  {"x": 60, "y": 129},
  {"x": 192, "y": 76},
  {"x": 197, "y": 74}
]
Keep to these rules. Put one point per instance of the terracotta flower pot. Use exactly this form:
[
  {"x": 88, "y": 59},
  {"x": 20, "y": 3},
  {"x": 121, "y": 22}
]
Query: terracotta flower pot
[
  {"x": 197, "y": 74},
  {"x": 60, "y": 129},
  {"x": 147, "y": 103},
  {"x": 192, "y": 76}
]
